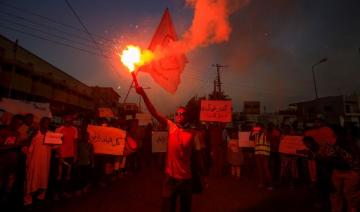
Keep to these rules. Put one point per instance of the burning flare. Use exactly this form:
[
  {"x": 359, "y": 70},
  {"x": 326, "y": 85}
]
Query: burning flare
[{"x": 133, "y": 57}]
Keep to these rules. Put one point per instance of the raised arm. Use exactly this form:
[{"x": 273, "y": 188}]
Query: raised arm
[{"x": 150, "y": 106}]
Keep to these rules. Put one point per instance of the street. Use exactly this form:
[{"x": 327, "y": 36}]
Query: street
[{"x": 141, "y": 191}]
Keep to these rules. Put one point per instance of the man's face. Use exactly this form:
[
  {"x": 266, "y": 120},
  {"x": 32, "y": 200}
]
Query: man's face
[{"x": 180, "y": 116}]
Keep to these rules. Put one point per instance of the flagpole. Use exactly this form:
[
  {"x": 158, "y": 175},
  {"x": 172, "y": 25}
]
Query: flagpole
[{"x": 134, "y": 79}]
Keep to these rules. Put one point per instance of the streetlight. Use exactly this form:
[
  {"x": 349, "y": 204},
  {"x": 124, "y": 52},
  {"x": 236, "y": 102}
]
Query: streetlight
[{"x": 313, "y": 72}]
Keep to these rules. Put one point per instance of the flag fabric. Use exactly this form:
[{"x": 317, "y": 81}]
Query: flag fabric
[{"x": 166, "y": 71}]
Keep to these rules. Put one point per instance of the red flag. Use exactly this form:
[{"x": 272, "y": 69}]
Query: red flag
[{"x": 167, "y": 70}]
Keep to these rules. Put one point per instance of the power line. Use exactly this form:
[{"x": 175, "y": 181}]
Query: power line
[
  {"x": 50, "y": 19},
  {"x": 82, "y": 24},
  {"x": 43, "y": 25},
  {"x": 92, "y": 38},
  {"x": 53, "y": 41},
  {"x": 47, "y": 33}
]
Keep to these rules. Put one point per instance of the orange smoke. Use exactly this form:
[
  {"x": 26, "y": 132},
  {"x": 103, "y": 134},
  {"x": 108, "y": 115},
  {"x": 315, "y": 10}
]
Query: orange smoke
[{"x": 210, "y": 25}]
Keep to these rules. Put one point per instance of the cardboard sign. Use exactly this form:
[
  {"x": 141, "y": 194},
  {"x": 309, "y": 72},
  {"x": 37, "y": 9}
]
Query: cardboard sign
[
  {"x": 159, "y": 141},
  {"x": 53, "y": 138},
  {"x": 244, "y": 140},
  {"x": 105, "y": 112},
  {"x": 13, "y": 106},
  {"x": 290, "y": 144},
  {"x": 144, "y": 118},
  {"x": 107, "y": 140},
  {"x": 216, "y": 110}
]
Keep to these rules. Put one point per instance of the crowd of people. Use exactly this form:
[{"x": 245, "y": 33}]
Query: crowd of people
[
  {"x": 328, "y": 165},
  {"x": 32, "y": 171}
]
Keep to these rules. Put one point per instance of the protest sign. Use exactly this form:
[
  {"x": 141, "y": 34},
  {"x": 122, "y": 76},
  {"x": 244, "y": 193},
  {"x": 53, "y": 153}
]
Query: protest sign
[
  {"x": 216, "y": 110},
  {"x": 53, "y": 138},
  {"x": 291, "y": 144},
  {"x": 244, "y": 140},
  {"x": 144, "y": 118},
  {"x": 107, "y": 140},
  {"x": 159, "y": 141}
]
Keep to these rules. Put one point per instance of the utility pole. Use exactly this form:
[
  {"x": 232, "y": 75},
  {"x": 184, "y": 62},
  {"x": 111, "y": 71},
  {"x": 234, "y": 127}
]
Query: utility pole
[
  {"x": 218, "y": 67},
  {"x": 214, "y": 92}
]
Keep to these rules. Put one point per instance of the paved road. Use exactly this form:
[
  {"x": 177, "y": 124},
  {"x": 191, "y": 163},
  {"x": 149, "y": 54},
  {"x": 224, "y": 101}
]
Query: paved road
[{"x": 142, "y": 192}]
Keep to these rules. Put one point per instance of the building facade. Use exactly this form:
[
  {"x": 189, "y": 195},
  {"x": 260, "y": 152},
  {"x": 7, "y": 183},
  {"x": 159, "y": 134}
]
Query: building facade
[
  {"x": 25, "y": 76},
  {"x": 106, "y": 97},
  {"x": 341, "y": 110}
]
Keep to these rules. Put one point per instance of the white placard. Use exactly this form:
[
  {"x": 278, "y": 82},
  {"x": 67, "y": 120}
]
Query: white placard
[
  {"x": 53, "y": 138},
  {"x": 107, "y": 140},
  {"x": 216, "y": 110}
]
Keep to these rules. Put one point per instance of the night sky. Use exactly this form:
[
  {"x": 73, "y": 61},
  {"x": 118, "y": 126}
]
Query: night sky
[{"x": 269, "y": 55}]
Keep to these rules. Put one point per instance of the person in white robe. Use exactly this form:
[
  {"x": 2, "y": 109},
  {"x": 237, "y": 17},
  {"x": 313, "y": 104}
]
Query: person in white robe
[{"x": 38, "y": 164}]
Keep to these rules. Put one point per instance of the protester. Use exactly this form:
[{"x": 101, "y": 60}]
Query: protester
[
  {"x": 132, "y": 145},
  {"x": 27, "y": 130},
  {"x": 345, "y": 163},
  {"x": 262, "y": 152},
  {"x": 38, "y": 164},
  {"x": 218, "y": 149},
  {"x": 289, "y": 170},
  {"x": 84, "y": 164},
  {"x": 147, "y": 145},
  {"x": 248, "y": 169},
  {"x": 325, "y": 137},
  {"x": 346, "y": 174},
  {"x": 201, "y": 146},
  {"x": 274, "y": 138},
  {"x": 234, "y": 155},
  {"x": 104, "y": 163},
  {"x": 9, "y": 152},
  {"x": 68, "y": 153},
  {"x": 179, "y": 173},
  {"x": 321, "y": 133}
]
